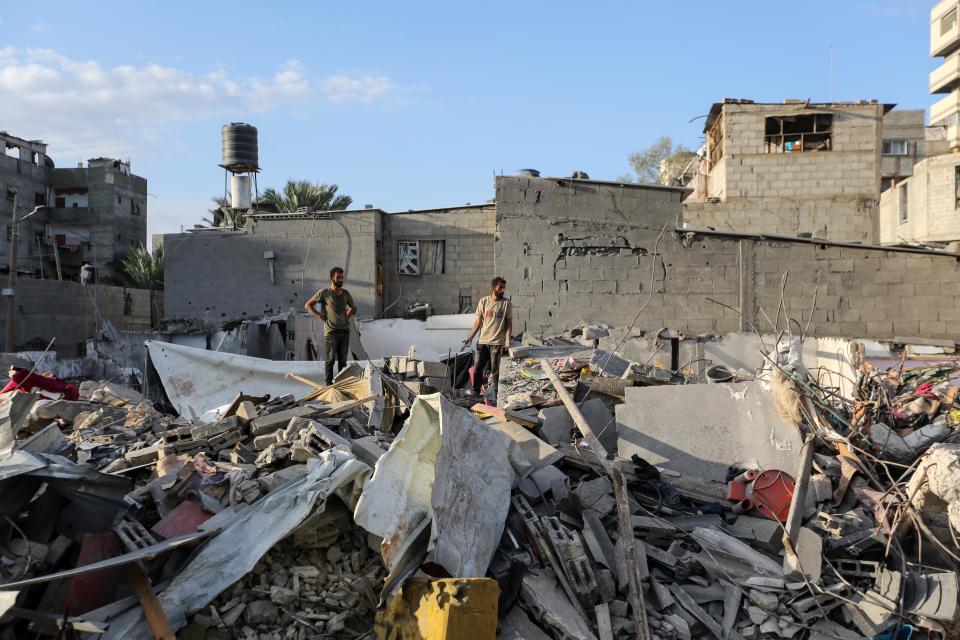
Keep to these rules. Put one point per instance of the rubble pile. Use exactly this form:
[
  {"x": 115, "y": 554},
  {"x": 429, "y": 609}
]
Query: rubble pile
[
  {"x": 603, "y": 498},
  {"x": 299, "y": 590},
  {"x": 147, "y": 477}
]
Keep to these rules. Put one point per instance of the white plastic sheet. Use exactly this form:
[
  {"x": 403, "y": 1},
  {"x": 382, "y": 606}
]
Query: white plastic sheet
[
  {"x": 200, "y": 380},
  {"x": 448, "y": 466},
  {"x": 435, "y": 339},
  {"x": 238, "y": 548}
]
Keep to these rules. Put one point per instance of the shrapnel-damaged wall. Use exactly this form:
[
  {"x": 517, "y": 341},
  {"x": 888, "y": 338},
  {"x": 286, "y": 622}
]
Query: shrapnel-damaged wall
[
  {"x": 467, "y": 234},
  {"x": 67, "y": 311},
  {"x": 220, "y": 275},
  {"x": 578, "y": 252}
]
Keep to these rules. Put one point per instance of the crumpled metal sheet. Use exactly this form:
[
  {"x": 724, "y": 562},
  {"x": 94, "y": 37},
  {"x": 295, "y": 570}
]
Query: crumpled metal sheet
[
  {"x": 237, "y": 549},
  {"x": 199, "y": 380},
  {"x": 14, "y": 411},
  {"x": 448, "y": 466}
]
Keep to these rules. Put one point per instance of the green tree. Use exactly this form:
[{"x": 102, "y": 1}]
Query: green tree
[
  {"x": 303, "y": 193},
  {"x": 144, "y": 270},
  {"x": 223, "y": 215},
  {"x": 660, "y": 163}
]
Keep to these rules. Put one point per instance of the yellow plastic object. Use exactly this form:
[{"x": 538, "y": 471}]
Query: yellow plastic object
[{"x": 447, "y": 609}]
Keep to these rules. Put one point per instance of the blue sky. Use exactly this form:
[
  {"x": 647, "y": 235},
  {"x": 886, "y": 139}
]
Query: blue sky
[{"x": 411, "y": 105}]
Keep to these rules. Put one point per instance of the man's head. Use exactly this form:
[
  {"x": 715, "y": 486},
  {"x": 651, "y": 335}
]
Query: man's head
[
  {"x": 497, "y": 286},
  {"x": 336, "y": 277}
]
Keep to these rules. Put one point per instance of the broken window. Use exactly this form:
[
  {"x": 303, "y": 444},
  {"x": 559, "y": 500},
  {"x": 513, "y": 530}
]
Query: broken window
[
  {"x": 896, "y": 148},
  {"x": 408, "y": 254},
  {"x": 794, "y": 134},
  {"x": 948, "y": 21},
  {"x": 431, "y": 257},
  {"x": 11, "y": 193},
  {"x": 904, "y": 214},
  {"x": 420, "y": 257},
  {"x": 956, "y": 187},
  {"x": 715, "y": 140},
  {"x": 9, "y": 232},
  {"x": 71, "y": 197},
  {"x": 39, "y": 199}
]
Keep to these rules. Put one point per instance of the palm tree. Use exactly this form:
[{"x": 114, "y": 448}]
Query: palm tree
[
  {"x": 303, "y": 193},
  {"x": 143, "y": 270},
  {"x": 223, "y": 215}
]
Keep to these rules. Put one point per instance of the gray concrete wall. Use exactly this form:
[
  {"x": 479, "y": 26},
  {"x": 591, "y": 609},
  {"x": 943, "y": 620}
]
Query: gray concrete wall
[
  {"x": 583, "y": 253},
  {"x": 468, "y": 236},
  {"x": 116, "y": 215},
  {"x": 67, "y": 311},
  {"x": 932, "y": 211},
  {"x": 908, "y": 125},
  {"x": 832, "y": 193},
  {"x": 29, "y": 180},
  {"x": 220, "y": 275}
]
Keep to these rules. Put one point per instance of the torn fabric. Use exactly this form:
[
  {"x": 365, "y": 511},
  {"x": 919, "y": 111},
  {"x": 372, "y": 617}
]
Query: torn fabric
[
  {"x": 448, "y": 466},
  {"x": 238, "y": 548}
]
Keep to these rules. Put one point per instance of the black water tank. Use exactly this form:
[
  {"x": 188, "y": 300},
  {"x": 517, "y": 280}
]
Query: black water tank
[{"x": 240, "y": 153}]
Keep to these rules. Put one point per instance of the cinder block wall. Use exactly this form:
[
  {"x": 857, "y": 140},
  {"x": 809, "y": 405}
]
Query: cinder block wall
[
  {"x": 468, "y": 236},
  {"x": 66, "y": 310},
  {"x": 932, "y": 212},
  {"x": 833, "y": 193},
  {"x": 582, "y": 254},
  {"x": 840, "y": 218},
  {"x": 222, "y": 275}
]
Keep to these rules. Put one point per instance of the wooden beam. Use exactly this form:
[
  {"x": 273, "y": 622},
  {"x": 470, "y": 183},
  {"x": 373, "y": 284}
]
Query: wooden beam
[
  {"x": 619, "y": 482},
  {"x": 152, "y": 611}
]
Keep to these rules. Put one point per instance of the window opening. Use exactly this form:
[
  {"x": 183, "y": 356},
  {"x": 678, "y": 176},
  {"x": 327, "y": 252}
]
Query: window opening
[{"x": 794, "y": 134}]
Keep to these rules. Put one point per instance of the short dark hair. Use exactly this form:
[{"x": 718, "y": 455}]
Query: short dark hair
[
  {"x": 335, "y": 271},
  {"x": 496, "y": 281}
]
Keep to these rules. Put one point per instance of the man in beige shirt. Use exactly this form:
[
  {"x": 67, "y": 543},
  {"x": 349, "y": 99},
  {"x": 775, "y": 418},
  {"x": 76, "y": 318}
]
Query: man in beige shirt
[{"x": 494, "y": 322}]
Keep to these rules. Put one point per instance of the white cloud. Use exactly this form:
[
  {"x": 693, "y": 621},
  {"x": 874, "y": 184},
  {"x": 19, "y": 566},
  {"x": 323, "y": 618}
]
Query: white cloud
[{"x": 82, "y": 108}]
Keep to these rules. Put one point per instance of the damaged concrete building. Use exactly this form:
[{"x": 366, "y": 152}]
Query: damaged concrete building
[
  {"x": 794, "y": 168},
  {"x": 92, "y": 214},
  {"x": 583, "y": 252},
  {"x": 66, "y": 218},
  {"x": 923, "y": 209}
]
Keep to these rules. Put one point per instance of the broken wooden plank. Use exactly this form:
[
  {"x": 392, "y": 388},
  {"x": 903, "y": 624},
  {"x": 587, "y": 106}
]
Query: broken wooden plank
[
  {"x": 512, "y": 416},
  {"x": 340, "y": 407},
  {"x": 152, "y": 610},
  {"x": 619, "y": 483}
]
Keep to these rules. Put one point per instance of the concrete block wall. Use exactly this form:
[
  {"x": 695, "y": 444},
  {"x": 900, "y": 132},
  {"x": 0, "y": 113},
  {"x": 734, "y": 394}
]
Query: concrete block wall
[
  {"x": 909, "y": 125},
  {"x": 789, "y": 193},
  {"x": 852, "y": 167},
  {"x": 67, "y": 311},
  {"x": 863, "y": 291},
  {"x": 468, "y": 235},
  {"x": 932, "y": 213},
  {"x": 222, "y": 275},
  {"x": 840, "y": 218}
]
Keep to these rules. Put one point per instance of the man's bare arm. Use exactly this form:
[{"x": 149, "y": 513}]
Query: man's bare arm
[
  {"x": 473, "y": 331},
  {"x": 309, "y": 307}
]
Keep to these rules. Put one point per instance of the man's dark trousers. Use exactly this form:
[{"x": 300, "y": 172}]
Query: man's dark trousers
[
  {"x": 487, "y": 354},
  {"x": 337, "y": 346}
]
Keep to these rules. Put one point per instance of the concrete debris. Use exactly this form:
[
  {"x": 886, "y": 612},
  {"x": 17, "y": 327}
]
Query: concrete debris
[{"x": 301, "y": 540}]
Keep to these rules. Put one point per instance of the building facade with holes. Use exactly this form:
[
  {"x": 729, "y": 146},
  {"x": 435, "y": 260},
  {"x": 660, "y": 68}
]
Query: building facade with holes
[
  {"x": 92, "y": 214},
  {"x": 791, "y": 168},
  {"x": 925, "y": 208},
  {"x": 394, "y": 263}
]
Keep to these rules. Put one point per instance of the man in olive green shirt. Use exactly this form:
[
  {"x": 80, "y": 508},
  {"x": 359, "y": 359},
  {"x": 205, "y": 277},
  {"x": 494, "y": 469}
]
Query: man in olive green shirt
[
  {"x": 336, "y": 307},
  {"x": 494, "y": 322}
]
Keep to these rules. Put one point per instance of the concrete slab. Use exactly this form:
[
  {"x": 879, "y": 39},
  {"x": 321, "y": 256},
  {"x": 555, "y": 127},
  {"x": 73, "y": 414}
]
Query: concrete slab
[
  {"x": 557, "y": 423},
  {"x": 702, "y": 430}
]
